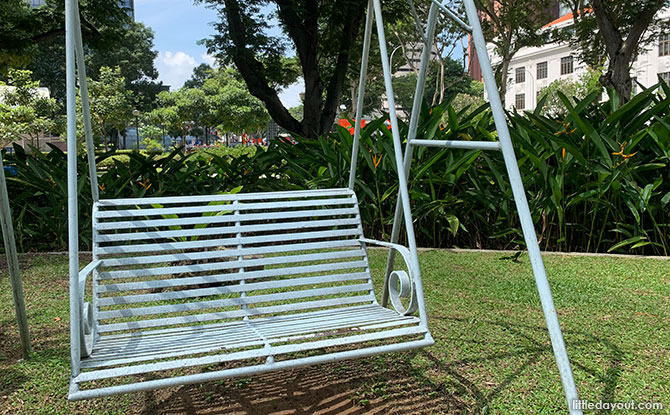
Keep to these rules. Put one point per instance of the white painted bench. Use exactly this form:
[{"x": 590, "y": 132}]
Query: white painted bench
[{"x": 244, "y": 283}]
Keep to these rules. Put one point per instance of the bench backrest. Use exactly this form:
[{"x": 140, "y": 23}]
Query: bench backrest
[{"x": 185, "y": 260}]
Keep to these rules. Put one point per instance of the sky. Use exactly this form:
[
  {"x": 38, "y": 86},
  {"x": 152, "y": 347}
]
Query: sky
[{"x": 178, "y": 25}]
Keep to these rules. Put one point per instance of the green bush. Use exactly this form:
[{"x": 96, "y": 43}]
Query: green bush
[{"x": 597, "y": 178}]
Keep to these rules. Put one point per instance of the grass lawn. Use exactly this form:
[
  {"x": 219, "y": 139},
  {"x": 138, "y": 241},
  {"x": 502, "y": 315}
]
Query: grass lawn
[{"x": 492, "y": 354}]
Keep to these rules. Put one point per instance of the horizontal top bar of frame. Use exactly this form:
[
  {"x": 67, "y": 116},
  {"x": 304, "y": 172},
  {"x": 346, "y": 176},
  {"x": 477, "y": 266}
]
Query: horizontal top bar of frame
[{"x": 469, "y": 145}]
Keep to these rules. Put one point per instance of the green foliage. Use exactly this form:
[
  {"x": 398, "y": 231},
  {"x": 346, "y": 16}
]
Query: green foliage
[
  {"x": 39, "y": 191},
  {"x": 510, "y": 25},
  {"x": 470, "y": 100},
  {"x": 613, "y": 33},
  {"x": 201, "y": 73},
  {"x": 455, "y": 79},
  {"x": 575, "y": 90},
  {"x": 23, "y": 111},
  {"x": 322, "y": 34},
  {"x": 23, "y": 30},
  {"x": 111, "y": 103},
  {"x": 232, "y": 107},
  {"x": 596, "y": 178}
]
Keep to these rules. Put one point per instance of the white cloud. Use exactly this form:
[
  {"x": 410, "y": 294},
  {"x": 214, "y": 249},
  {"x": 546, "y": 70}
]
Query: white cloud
[
  {"x": 290, "y": 96},
  {"x": 208, "y": 59},
  {"x": 175, "y": 68}
]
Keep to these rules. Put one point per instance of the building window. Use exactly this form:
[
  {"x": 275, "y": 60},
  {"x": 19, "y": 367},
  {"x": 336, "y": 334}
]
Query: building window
[
  {"x": 665, "y": 76},
  {"x": 664, "y": 45},
  {"x": 566, "y": 65},
  {"x": 520, "y": 75},
  {"x": 541, "y": 70},
  {"x": 520, "y": 101}
]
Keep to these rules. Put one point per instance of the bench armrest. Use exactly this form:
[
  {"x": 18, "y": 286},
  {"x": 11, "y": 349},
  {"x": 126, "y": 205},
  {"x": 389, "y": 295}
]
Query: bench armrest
[
  {"x": 398, "y": 285},
  {"x": 86, "y": 321},
  {"x": 84, "y": 273}
]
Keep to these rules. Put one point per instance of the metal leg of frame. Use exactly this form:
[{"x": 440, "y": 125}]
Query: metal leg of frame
[
  {"x": 397, "y": 147},
  {"x": 85, "y": 104},
  {"x": 361, "y": 94},
  {"x": 413, "y": 125},
  {"x": 524, "y": 212},
  {"x": 72, "y": 208}
]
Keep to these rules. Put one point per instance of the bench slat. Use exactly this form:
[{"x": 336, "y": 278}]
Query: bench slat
[
  {"x": 285, "y": 206},
  {"x": 249, "y": 354},
  {"x": 142, "y": 213},
  {"x": 223, "y": 230},
  {"x": 242, "y": 339},
  {"x": 211, "y": 243},
  {"x": 278, "y": 272},
  {"x": 229, "y": 289},
  {"x": 222, "y": 315},
  {"x": 195, "y": 256},
  {"x": 226, "y": 197},
  {"x": 217, "y": 266},
  {"x": 281, "y": 326},
  {"x": 112, "y": 339},
  {"x": 231, "y": 302}
]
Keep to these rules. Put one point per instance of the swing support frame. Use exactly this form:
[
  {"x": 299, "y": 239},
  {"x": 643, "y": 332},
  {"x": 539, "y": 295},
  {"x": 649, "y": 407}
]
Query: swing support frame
[{"x": 80, "y": 316}]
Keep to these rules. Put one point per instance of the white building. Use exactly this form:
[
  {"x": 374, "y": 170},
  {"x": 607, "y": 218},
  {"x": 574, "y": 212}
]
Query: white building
[{"x": 534, "y": 68}]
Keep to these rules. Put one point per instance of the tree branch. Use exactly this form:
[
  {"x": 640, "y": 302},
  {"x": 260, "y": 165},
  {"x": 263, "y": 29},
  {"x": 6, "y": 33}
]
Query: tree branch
[
  {"x": 641, "y": 24},
  {"x": 253, "y": 72},
  {"x": 611, "y": 35}
]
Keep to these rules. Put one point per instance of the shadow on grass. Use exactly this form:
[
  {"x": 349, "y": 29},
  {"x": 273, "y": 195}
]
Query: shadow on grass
[
  {"x": 392, "y": 384},
  {"x": 537, "y": 347},
  {"x": 367, "y": 386}
]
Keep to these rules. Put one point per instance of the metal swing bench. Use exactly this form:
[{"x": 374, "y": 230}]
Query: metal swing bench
[{"x": 199, "y": 288}]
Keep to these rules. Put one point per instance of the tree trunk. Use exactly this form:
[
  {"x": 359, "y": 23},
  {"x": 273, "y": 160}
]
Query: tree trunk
[
  {"x": 618, "y": 78},
  {"x": 321, "y": 97},
  {"x": 502, "y": 85}
]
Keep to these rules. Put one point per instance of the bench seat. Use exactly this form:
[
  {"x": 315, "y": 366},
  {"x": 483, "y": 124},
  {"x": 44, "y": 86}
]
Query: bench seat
[{"x": 247, "y": 283}]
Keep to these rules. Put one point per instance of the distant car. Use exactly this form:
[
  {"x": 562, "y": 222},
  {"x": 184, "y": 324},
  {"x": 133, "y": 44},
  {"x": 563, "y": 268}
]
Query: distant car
[{"x": 11, "y": 171}]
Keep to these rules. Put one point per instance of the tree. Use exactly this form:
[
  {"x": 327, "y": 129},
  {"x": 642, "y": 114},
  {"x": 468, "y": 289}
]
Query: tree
[
  {"x": 233, "y": 108},
  {"x": 23, "y": 29},
  {"x": 446, "y": 72},
  {"x": 614, "y": 32},
  {"x": 574, "y": 90},
  {"x": 111, "y": 103},
  {"x": 180, "y": 111},
  {"x": 134, "y": 54},
  {"x": 34, "y": 39},
  {"x": 511, "y": 25},
  {"x": 322, "y": 35},
  {"x": 201, "y": 73},
  {"x": 23, "y": 110},
  {"x": 153, "y": 137},
  {"x": 469, "y": 100}
]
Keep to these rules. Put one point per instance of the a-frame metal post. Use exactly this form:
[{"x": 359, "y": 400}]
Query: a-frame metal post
[
  {"x": 505, "y": 145},
  {"x": 511, "y": 164}
]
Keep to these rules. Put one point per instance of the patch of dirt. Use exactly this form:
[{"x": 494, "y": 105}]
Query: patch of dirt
[{"x": 359, "y": 387}]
